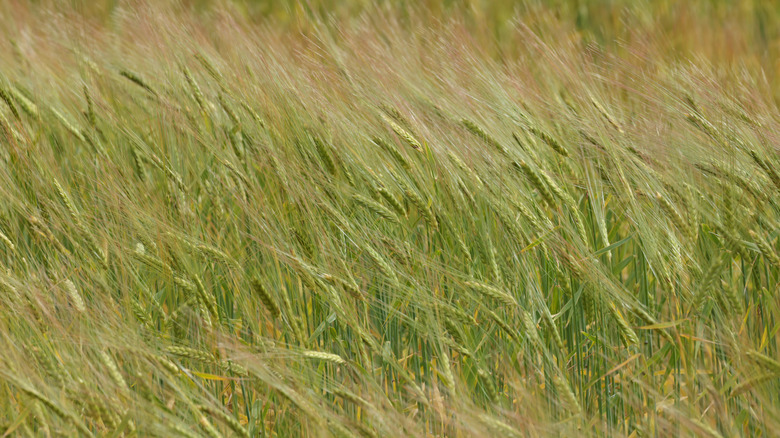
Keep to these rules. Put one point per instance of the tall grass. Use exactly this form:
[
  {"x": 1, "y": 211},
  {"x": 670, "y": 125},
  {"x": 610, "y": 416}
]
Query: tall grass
[{"x": 371, "y": 226}]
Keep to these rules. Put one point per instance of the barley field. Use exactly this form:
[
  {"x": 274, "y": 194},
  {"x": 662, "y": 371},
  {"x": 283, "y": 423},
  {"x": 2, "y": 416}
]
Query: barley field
[{"x": 389, "y": 219}]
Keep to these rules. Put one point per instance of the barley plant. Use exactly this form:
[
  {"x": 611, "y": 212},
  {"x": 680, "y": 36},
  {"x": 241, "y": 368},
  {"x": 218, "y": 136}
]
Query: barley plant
[{"x": 324, "y": 218}]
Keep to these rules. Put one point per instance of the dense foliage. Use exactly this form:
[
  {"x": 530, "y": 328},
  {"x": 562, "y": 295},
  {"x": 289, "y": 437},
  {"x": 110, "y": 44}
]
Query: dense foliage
[{"x": 467, "y": 219}]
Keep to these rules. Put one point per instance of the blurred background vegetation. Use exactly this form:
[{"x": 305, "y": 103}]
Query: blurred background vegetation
[{"x": 740, "y": 33}]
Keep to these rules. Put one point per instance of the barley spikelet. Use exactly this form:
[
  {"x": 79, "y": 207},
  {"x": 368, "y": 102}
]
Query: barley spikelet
[
  {"x": 677, "y": 220},
  {"x": 348, "y": 285},
  {"x": 553, "y": 186},
  {"x": 735, "y": 304},
  {"x": 393, "y": 151},
  {"x": 226, "y": 418},
  {"x": 306, "y": 273},
  {"x": 213, "y": 72},
  {"x": 493, "y": 259},
  {"x": 184, "y": 431},
  {"x": 626, "y": 332},
  {"x": 304, "y": 241},
  {"x": 10, "y": 132},
  {"x": 553, "y": 143},
  {"x": 463, "y": 247},
  {"x": 6, "y": 241},
  {"x": 484, "y": 136},
  {"x": 529, "y": 216},
  {"x": 382, "y": 264},
  {"x": 191, "y": 353},
  {"x": 531, "y": 333},
  {"x": 503, "y": 324},
  {"x": 162, "y": 361},
  {"x": 404, "y": 134},
  {"x": 766, "y": 249},
  {"x": 75, "y": 296},
  {"x": 351, "y": 397},
  {"x": 391, "y": 199},
  {"x": 524, "y": 147},
  {"x": 175, "y": 177},
  {"x": 565, "y": 392},
  {"x": 259, "y": 120},
  {"x": 184, "y": 283},
  {"x": 138, "y": 163},
  {"x": 492, "y": 292},
  {"x": 768, "y": 169},
  {"x": 134, "y": 78},
  {"x": 194, "y": 88},
  {"x": 322, "y": 151},
  {"x": 607, "y": 115},
  {"x": 536, "y": 181},
  {"x": 394, "y": 113},
  {"x": 113, "y": 370},
  {"x": 48, "y": 403},
  {"x": 499, "y": 427},
  {"x": 454, "y": 330},
  {"x": 327, "y": 357},
  {"x": 550, "y": 323},
  {"x": 458, "y": 315},
  {"x": 488, "y": 384},
  {"x": 731, "y": 240},
  {"x": 642, "y": 314},
  {"x": 140, "y": 314},
  {"x": 376, "y": 208},
  {"x": 25, "y": 103},
  {"x": 705, "y": 126},
  {"x": 751, "y": 383},
  {"x": 463, "y": 167},
  {"x": 765, "y": 362},
  {"x": 216, "y": 254},
  {"x": 207, "y": 299},
  {"x": 51, "y": 366},
  {"x": 334, "y": 215},
  {"x": 91, "y": 117},
  {"x": 265, "y": 297},
  {"x": 229, "y": 111},
  {"x": 206, "y": 425},
  {"x": 38, "y": 412},
  {"x": 8, "y": 101},
  {"x": 467, "y": 193},
  {"x": 68, "y": 125},
  {"x": 66, "y": 200},
  {"x": 150, "y": 261},
  {"x": 508, "y": 221},
  {"x": 422, "y": 207}
]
